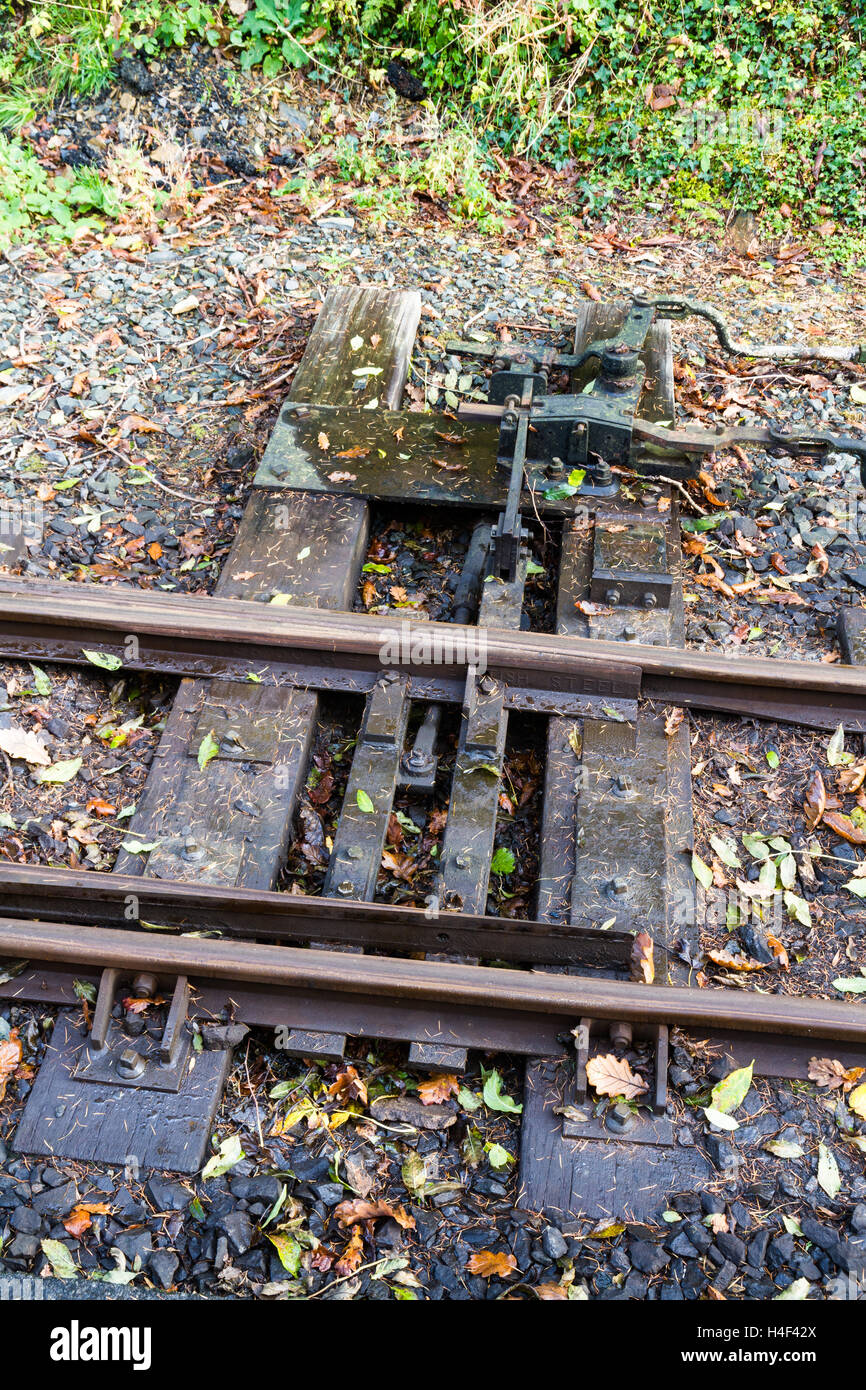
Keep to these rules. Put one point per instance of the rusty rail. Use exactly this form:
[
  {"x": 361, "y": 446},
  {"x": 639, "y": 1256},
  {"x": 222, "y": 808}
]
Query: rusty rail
[
  {"x": 386, "y": 982},
  {"x": 331, "y": 650}
]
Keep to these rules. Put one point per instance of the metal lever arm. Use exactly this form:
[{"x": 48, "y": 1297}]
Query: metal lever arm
[
  {"x": 778, "y": 352},
  {"x": 699, "y": 442}
]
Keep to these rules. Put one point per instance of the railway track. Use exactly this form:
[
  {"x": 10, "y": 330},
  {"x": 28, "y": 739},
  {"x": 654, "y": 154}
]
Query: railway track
[{"x": 192, "y": 912}]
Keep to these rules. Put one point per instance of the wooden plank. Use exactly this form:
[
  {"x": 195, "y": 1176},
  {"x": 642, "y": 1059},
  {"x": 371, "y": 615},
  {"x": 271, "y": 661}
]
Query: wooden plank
[
  {"x": 360, "y": 835},
  {"x": 95, "y": 1122}
]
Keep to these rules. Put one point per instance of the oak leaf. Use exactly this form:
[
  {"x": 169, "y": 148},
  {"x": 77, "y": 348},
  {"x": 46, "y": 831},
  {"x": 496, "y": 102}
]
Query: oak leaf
[
  {"x": 550, "y": 1293},
  {"x": 612, "y": 1076},
  {"x": 642, "y": 964},
  {"x": 492, "y": 1264},
  {"x": 348, "y": 1086},
  {"x": 438, "y": 1088},
  {"x": 352, "y": 1255},
  {"x": 357, "y": 1209},
  {"x": 829, "y": 1072}
]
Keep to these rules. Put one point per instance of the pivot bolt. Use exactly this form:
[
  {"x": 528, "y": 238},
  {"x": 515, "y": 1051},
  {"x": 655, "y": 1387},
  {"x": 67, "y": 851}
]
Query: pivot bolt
[
  {"x": 603, "y": 475},
  {"x": 489, "y": 684},
  {"x": 612, "y": 596},
  {"x": 345, "y": 888},
  {"x": 620, "y": 1119},
  {"x": 130, "y": 1064},
  {"x": 192, "y": 850},
  {"x": 649, "y": 600},
  {"x": 624, "y": 787}
]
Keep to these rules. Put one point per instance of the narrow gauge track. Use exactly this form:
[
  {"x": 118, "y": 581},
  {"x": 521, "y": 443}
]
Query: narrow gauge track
[{"x": 616, "y": 822}]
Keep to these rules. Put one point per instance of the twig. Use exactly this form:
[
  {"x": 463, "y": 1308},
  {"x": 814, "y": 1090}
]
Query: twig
[{"x": 674, "y": 482}]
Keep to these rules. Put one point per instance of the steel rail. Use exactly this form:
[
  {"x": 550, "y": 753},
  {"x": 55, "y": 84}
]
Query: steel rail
[
  {"x": 326, "y": 649},
  {"x": 388, "y": 983},
  {"x": 106, "y": 899}
]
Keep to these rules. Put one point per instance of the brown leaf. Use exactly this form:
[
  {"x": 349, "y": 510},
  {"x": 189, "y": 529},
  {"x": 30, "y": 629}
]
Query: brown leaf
[
  {"x": 815, "y": 803},
  {"x": 845, "y": 827},
  {"x": 718, "y": 1222},
  {"x": 352, "y": 1255},
  {"x": 348, "y": 1086},
  {"x": 612, "y": 1076},
  {"x": 779, "y": 951},
  {"x": 819, "y": 553},
  {"x": 338, "y": 477},
  {"x": 357, "y": 1209},
  {"x": 827, "y": 1071},
  {"x": 447, "y": 467},
  {"x": 99, "y": 807},
  {"x": 154, "y": 550},
  {"x": 368, "y": 593},
  {"x": 550, "y": 1293},
  {"x": 674, "y": 716},
  {"x": 850, "y": 779},
  {"x": 492, "y": 1264},
  {"x": 138, "y": 424},
  {"x": 590, "y": 291},
  {"x": 642, "y": 967},
  {"x": 731, "y": 962},
  {"x": 10, "y": 1056},
  {"x": 79, "y": 1219},
  {"x": 323, "y": 442},
  {"x": 358, "y": 452},
  {"x": 438, "y": 1088}
]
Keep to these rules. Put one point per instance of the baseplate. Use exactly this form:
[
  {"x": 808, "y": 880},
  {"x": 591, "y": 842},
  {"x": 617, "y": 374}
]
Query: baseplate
[{"x": 105, "y": 1123}]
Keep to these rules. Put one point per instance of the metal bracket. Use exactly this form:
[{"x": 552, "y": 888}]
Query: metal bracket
[
  {"x": 648, "y": 1123},
  {"x": 123, "y": 1052}
]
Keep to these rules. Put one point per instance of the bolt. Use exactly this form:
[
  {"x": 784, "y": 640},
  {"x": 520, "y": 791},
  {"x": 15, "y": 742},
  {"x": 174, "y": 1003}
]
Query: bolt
[
  {"x": 603, "y": 475},
  {"x": 144, "y": 986},
  {"x": 488, "y": 684},
  {"x": 649, "y": 500},
  {"x": 629, "y": 633},
  {"x": 130, "y": 1064},
  {"x": 191, "y": 849},
  {"x": 612, "y": 596},
  {"x": 621, "y": 1034},
  {"x": 618, "y": 886},
  {"x": 345, "y": 888},
  {"x": 463, "y": 859},
  {"x": 354, "y": 852},
  {"x": 623, "y": 787},
  {"x": 620, "y": 1119},
  {"x": 418, "y": 761},
  {"x": 649, "y": 600}
]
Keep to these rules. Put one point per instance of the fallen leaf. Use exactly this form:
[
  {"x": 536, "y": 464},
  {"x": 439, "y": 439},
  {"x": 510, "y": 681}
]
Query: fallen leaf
[
  {"x": 844, "y": 827},
  {"x": 732, "y": 1090},
  {"x": 80, "y": 1220},
  {"x": 348, "y": 1086},
  {"x": 357, "y": 1209},
  {"x": 732, "y": 962},
  {"x": 323, "y": 441},
  {"x": 438, "y": 1088},
  {"x": 816, "y": 801},
  {"x": 673, "y": 719},
  {"x": 352, "y": 1255},
  {"x": 642, "y": 963},
  {"x": 612, "y": 1076},
  {"x": 829, "y": 1072},
  {"x": 492, "y": 1264},
  {"x": 10, "y": 1058},
  {"x": 857, "y": 1099},
  {"x": 21, "y": 743},
  {"x": 828, "y": 1172}
]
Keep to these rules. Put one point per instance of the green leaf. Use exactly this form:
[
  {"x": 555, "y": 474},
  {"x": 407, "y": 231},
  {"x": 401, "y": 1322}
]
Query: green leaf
[
  {"x": 364, "y": 802},
  {"x": 498, "y": 1157},
  {"x": 62, "y": 1264},
  {"x": 139, "y": 846},
  {"x": 407, "y": 823},
  {"x": 576, "y": 477},
  {"x": 356, "y": 342},
  {"x": 532, "y": 568},
  {"x": 230, "y": 1153},
  {"x": 494, "y": 1096},
  {"x": 726, "y": 852},
  {"x": 836, "y": 755},
  {"x": 671, "y": 1217},
  {"x": 857, "y": 886},
  {"x": 84, "y": 990},
  {"x": 366, "y": 371},
  {"x": 60, "y": 772},
  {"x": 772, "y": 758},
  {"x": 828, "y": 1171},
  {"x": 852, "y": 985},
  {"x": 40, "y": 680},
  {"x": 732, "y": 1091},
  {"x": 720, "y": 1119},
  {"x": 473, "y": 1145},
  {"x": 414, "y": 1173},
  {"x": 288, "y": 1250},
  {"x": 469, "y": 1100},
  {"x": 792, "y": 1225},
  {"x": 106, "y": 660},
  {"x": 703, "y": 523},
  {"x": 253, "y": 678},
  {"x": 207, "y": 750},
  {"x": 702, "y": 872},
  {"x": 783, "y": 1148},
  {"x": 559, "y": 493},
  {"x": 371, "y": 568},
  {"x": 502, "y": 861},
  {"x": 755, "y": 845},
  {"x": 798, "y": 908}
]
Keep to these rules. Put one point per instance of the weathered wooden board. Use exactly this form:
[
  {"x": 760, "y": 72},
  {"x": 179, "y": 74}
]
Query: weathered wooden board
[
  {"x": 84, "y": 1120},
  {"x": 230, "y": 821},
  {"x": 575, "y": 1181}
]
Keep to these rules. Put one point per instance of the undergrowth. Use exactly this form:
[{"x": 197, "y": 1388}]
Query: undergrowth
[{"x": 755, "y": 104}]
